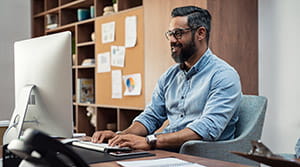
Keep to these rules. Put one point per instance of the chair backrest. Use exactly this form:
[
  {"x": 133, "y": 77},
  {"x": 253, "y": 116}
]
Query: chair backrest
[{"x": 252, "y": 111}]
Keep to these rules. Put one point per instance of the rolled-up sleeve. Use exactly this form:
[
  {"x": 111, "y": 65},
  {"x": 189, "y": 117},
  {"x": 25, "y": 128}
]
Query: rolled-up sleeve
[
  {"x": 154, "y": 114},
  {"x": 223, "y": 100}
]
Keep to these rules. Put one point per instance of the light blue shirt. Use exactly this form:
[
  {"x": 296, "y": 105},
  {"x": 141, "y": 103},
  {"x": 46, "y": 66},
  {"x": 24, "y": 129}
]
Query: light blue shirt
[{"x": 203, "y": 99}]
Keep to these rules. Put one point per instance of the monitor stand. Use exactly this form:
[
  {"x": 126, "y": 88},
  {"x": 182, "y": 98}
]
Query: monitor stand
[{"x": 16, "y": 123}]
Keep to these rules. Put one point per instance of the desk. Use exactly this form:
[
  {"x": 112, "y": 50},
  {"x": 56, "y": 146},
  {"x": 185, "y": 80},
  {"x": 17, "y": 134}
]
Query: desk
[{"x": 164, "y": 154}]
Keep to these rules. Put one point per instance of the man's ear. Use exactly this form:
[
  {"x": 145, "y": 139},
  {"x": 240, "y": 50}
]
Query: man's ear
[{"x": 201, "y": 33}]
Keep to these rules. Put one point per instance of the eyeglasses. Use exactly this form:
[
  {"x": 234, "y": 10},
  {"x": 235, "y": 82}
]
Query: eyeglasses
[{"x": 177, "y": 33}]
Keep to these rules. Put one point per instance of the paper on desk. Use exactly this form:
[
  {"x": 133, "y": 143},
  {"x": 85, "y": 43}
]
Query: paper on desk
[{"x": 162, "y": 162}]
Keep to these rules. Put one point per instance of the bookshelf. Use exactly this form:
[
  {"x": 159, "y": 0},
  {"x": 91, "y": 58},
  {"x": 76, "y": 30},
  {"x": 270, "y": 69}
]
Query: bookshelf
[
  {"x": 84, "y": 48},
  {"x": 151, "y": 55}
]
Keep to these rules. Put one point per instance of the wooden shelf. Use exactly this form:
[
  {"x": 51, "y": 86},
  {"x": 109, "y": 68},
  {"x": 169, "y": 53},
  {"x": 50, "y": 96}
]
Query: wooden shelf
[
  {"x": 69, "y": 9},
  {"x": 118, "y": 107},
  {"x": 109, "y": 106},
  {"x": 84, "y": 67},
  {"x": 72, "y": 5},
  {"x": 68, "y": 27},
  {"x": 78, "y": 4},
  {"x": 84, "y": 48},
  {"x": 86, "y": 21},
  {"x": 83, "y": 124},
  {"x": 85, "y": 44},
  {"x": 54, "y": 10},
  {"x": 85, "y": 104}
]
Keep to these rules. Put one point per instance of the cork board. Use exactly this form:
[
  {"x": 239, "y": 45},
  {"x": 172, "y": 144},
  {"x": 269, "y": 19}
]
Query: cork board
[{"x": 134, "y": 60}]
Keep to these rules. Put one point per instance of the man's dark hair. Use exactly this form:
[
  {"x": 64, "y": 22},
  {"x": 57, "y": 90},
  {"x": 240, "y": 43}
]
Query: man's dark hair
[{"x": 197, "y": 17}]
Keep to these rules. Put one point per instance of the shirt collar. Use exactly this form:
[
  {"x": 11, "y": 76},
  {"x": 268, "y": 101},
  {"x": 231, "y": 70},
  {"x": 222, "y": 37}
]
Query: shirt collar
[{"x": 199, "y": 64}]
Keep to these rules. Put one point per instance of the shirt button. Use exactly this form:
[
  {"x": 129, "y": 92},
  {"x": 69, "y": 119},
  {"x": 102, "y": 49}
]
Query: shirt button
[
  {"x": 181, "y": 115},
  {"x": 182, "y": 97}
]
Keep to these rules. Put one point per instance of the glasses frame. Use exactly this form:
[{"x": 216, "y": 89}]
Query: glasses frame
[{"x": 179, "y": 31}]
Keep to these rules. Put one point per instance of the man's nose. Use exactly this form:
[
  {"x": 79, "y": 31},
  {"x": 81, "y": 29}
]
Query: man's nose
[{"x": 172, "y": 39}]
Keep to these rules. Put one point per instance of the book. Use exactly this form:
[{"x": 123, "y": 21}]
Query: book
[
  {"x": 88, "y": 62},
  {"x": 52, "y": 21},
  {"x": 85, "y": 90},
  {"x": 51, "y": 26}
]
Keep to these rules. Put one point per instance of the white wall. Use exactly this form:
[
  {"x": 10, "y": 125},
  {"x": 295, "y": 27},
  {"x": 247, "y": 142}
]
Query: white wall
[
  {"x": 15, "y": 25},
  {"x": 279, "y": 71}
]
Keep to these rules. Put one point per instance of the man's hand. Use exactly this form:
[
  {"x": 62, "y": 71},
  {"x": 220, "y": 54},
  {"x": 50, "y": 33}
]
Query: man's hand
[
  {"x": 135, "y": 128},
  {"x": 130, "y": 140},
  {"x": 100, "y": 136}
]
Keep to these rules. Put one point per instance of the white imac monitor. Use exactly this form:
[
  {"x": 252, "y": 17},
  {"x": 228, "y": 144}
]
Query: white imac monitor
[{"x": 43, "y": 86}]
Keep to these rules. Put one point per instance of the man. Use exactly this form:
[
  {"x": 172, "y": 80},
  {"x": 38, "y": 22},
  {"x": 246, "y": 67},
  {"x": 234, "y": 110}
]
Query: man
[{"x": 199, "y": 95}]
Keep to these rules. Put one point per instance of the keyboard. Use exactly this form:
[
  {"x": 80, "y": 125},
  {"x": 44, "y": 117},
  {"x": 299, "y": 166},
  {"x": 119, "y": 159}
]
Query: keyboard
[{"x": 103, "y": 147}]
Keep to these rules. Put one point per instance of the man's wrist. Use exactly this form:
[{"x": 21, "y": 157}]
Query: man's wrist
[
  {"x": 119, "y": 132},
  {"x": 151, "y": 140}
]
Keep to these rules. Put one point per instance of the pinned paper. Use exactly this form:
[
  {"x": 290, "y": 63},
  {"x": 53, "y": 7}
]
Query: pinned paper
[
  {"x": 103, "y": 62},
  {"x": 116, "y": 80},
  {"x": 108, "y": 32},
  {"x": 117, "y": 56},
  {"x": 133, "y": 84},
  {"x": 130, "y": 31}
]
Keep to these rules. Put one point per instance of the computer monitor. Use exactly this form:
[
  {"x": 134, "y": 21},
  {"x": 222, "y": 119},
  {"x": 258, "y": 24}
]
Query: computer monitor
[{"x": 43, "y": 86}]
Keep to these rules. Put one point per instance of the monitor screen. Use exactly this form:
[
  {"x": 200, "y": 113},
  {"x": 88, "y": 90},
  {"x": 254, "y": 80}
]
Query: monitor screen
[{"x": 43, "y": 86}]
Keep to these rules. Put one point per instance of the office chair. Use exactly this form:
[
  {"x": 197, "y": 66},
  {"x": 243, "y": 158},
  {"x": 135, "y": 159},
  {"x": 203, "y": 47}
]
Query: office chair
[{"x": 249, "y": 127}]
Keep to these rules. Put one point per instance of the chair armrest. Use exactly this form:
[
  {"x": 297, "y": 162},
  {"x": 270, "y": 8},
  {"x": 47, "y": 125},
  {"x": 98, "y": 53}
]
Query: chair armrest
[
  {"x": 199, "y": 147},
  {"x": 218, "y": 150}
]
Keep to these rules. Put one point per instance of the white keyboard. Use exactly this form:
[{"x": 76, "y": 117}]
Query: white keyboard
[{"x": 103, "y": 147}]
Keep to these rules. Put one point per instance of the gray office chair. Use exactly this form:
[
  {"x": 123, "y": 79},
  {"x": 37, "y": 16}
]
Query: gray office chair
[{"x": 249, "y": 127}]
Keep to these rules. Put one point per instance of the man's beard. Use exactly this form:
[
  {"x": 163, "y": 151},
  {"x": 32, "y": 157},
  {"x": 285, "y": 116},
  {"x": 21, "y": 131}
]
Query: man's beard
[{"x": 185, "y": 53}]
